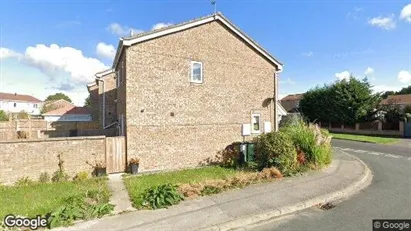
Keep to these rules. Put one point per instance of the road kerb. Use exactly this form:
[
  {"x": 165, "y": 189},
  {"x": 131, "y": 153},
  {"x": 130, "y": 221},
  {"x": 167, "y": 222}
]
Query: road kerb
[{"x": 357, "y": 186}]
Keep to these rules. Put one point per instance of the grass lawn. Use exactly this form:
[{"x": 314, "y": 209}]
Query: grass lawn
[
  {"x": 41, "y": 198},
  {"x": 136, "y": 185},
  {"x": 370, "y": 139}
]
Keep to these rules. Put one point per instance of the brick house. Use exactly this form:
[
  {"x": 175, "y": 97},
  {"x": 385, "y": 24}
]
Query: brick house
[
  {"x": 103, "y": 95},
  {"x": 184, "y": 92},
  {"x": 398, "y": 101}
]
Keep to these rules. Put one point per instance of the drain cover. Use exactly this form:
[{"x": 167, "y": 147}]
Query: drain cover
[{"x": 326, "y": 206}]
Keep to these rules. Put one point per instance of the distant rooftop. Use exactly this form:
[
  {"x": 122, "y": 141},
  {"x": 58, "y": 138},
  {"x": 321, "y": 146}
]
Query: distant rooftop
[
  {"x": 19, "y": 97},
  {"x": 292, "y": 97}
]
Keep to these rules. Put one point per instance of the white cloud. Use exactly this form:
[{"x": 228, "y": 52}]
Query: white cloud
[
  {"x": 53, "y": 60},
  {"x": 404, "y": 76},
  {"x": 7, "y": 53},
  {"x": 406, "y": 13},
  {"x": 386, "y": 23},
  {"x": 308, "y": 54},
  {"x": 287, "y": 81},
  {"x": 383, "y": 88},
  {"x": 106, "y": 51},
  {"x": 369, "y": 71},
  {"x": 343, "y": 75},
  {"x": 161, "y": 25},
  {"x": 355, "y": 13},
  {"x": 122, "y": 31}
]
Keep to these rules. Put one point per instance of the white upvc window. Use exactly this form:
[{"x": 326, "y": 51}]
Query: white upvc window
[
  {"x": 196, "y": 72},
  {"x": 256, "y": 123}
]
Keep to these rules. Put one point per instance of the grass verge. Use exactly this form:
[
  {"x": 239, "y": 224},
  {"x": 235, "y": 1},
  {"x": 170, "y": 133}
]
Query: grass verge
[
  {"x": 136, "y": 185},
  {"x": 364, "y": 138},
  {"x": 41, "y": 198}
]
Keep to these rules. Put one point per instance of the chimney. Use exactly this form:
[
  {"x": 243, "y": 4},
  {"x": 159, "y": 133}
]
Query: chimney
[
  {"x": 131, "y": 32},
  {"x": 15, "y": 94}
]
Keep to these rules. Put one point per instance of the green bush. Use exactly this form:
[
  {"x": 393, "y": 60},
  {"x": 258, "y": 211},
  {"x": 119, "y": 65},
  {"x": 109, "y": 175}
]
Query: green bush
[
  {"x": 3, "y": 116},
  {"x": 78, "y": 207},
  {"x": 59, "y": 176},
  {"x": 24, "y": 181},
  {"x": 313, "y": 141},
  {"x": 161, "y": 196},
  {"x": 275, "y": 149},
  {"x": 44, "y": 177},
  {"x": 81, "y": 176}
]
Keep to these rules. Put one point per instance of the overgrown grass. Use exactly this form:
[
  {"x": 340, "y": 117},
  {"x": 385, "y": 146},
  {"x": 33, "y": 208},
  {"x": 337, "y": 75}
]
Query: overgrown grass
[
  {"x": 364, "y": 138},
  {"x": 40, "y": 198},
  {"x": 136, "y": 185}
]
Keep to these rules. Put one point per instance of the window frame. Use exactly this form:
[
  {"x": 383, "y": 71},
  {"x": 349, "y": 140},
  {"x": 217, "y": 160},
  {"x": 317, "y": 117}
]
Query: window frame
[
  {"x": 253, "y": 131},
  {"x": 192, "y": 80}
]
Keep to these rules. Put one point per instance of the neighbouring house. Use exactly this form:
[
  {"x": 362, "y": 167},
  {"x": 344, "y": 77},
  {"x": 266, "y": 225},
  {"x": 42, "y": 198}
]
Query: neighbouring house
[
  {"x": 187, "y": 91},
  {"x": 62, "y": 110},
  {"x": 281, "y": 112},
  {"x": 15, "y": 103},
  {"x": 400, "y": 101},
  {"x": 103, "y": 95},
  {"x": 291, "y": 103}
]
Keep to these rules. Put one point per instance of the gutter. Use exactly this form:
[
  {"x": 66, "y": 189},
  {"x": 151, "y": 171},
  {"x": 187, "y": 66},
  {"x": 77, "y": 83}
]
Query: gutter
[
  {"x": 276, "y": 98},
  {"x": 104, "y": 102}
]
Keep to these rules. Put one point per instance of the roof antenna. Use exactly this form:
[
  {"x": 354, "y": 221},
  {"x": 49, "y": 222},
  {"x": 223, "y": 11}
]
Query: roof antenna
[{"x": 214, "y": 3}]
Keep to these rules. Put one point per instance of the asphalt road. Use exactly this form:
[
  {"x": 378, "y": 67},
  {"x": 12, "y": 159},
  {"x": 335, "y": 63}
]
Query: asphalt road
[{"x": 388, "y": 196}]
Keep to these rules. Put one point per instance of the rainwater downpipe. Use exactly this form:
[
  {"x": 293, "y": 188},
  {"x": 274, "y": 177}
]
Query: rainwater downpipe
[
  {"x": 104, "y": 102},
  {"x": 276, "y": 74}
]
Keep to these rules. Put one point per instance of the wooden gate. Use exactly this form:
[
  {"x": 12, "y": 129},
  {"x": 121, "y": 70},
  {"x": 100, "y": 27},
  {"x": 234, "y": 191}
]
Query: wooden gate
[{"x": 116, "y": 154}]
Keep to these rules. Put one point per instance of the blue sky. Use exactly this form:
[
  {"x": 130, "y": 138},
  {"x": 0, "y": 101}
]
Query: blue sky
[{"x": 52, "y": 46}]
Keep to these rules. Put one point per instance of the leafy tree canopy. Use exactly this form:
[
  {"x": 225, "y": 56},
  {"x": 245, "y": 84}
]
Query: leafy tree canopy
[
  {"x": 58, "y": 96},
  {"x": 347, "y": 101}
]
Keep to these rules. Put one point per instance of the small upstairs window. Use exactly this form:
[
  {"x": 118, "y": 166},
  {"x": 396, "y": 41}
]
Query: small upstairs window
[
  {"x": 15, "y": 104},
  {"x": 196, "y": 72}
]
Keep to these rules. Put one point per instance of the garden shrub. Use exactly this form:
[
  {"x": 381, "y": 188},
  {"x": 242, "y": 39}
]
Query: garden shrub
[
  {"x": 161, "y": 196},
  {"x": 81, "y": 176},
  {"x": 81, "y": 206},
  {"x": 44, "y": 177},
  {"x": 275, "y": 149},
  {"x": 24, "y": 181},
  {"x": 312, "y": 141},
  {"x": 228, "y": 158}
]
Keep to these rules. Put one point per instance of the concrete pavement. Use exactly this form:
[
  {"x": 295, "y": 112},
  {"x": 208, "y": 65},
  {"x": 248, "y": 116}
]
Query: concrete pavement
[
  {"x": 236, "y": 208},
  {"x": 388, "y": 196}
]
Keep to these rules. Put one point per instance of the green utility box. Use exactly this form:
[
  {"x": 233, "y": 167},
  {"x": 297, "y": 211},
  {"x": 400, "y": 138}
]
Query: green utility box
[
  {"x": 247, "y": 153},
  {"x": 250, "y": 152}
]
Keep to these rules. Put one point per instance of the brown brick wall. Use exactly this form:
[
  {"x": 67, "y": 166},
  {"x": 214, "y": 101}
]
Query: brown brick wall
[
  {"x": 111, "y": 95},
  {"x": 207, "y": 117},
  {"x": 121, "y": 91},
  {"x": 31, "y": 158},
  {"x": 94, "y": 99}
]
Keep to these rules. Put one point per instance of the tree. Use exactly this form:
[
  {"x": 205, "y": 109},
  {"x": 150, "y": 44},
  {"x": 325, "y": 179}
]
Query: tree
[
  {"x": 3, "y": 116},
  {"x": 403, "y": 91},
  {"x": 58, "y": 96},
  {"x": 347, "y": 101},
  {"x": 87, "y": 102}
]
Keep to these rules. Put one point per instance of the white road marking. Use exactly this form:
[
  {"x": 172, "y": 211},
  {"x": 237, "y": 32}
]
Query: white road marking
[
  {"x": 376, "y": 153},
  {"x": 373, "y": 153},
  {"x": 393, "y": 156}
]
